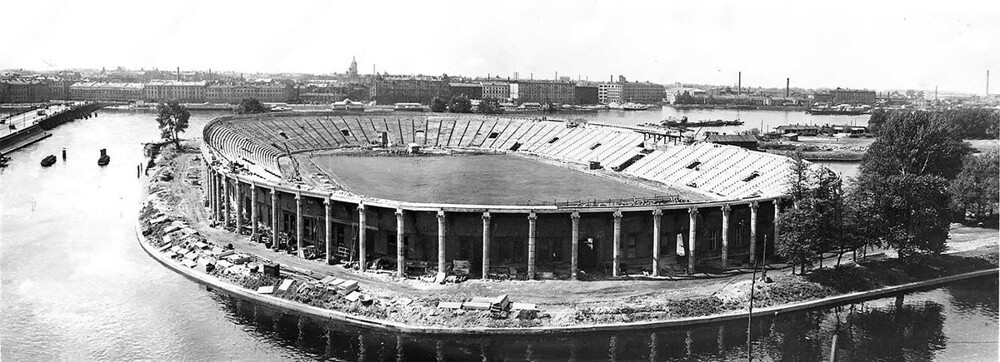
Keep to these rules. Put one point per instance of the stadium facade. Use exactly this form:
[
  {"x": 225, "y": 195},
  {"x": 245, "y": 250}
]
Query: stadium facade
[{"x": 259, "y": 176}]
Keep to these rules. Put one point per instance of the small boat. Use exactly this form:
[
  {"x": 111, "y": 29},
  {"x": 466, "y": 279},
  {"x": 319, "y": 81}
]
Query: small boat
[
  {"x": 634, "y": 107},
  {"x": 104, "y": 159},
  {"x": 48, "y": 160}
]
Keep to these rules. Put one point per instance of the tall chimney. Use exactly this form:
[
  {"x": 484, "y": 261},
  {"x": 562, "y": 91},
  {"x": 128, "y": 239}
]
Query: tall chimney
[
  {"x": 739, "y": 82},
  {"x": 531, "y": 75},
  {"x": 557, "y": 75},
  {"x": 178, "y": 74},
  {"x": 788, "y": 82}
]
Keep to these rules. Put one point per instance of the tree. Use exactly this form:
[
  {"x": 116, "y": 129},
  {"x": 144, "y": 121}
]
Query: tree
[
  {"x": 916, "y": 143},
  {"x": 439, "y": 104},
  {"x": 900, "y": 198},
  {"x": 975, "y": 123},
  {"x": 489, "y": 106},
  {"x": 172, "y": 120},
  {"x": 909, "y": 213},
  {"x": 251, "y": 106},
  {"x": 976, "y": 189},
  {"x": 460, "y": 104},
  {"x": 801, "y": 231}
]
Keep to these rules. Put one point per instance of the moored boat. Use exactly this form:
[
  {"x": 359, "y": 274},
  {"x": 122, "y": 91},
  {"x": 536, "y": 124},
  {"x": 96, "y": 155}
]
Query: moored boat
[
  {"x": 683, "y": 122},
  {"x": 48, "y": 160}
]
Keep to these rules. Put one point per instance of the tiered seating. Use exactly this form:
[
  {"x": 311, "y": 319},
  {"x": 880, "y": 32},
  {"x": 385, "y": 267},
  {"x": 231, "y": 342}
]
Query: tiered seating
[{"x": 721, "y": 170}]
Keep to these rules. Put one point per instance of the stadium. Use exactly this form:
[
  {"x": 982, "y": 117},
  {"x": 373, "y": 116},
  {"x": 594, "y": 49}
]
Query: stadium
[{"x": 490, "y": 196}]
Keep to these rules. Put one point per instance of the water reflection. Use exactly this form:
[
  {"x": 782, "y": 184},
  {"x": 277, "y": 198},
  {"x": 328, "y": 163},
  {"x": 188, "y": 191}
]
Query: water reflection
[{"x": 879, "y": 329}]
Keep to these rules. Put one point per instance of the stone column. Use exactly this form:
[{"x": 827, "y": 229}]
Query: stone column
[
  {"x": 274, "y": 218},
  {"x": 441, "y": 243},
  {"x": 725, "y": 236},
  {"x": 532, "y": 224},
  {"x": 239, "y": 206},
  {"x": 574, "y": 261},
  {"x": 777, "y": 210},
  {"x": 254, "y": 209},
  {"x": 657, "y": 216},
  {"x": 692, "y": 235},
  {"x": 210, "y": 191},
  {"x": 362, "y": 231},
  {"x": 227, "y": 200},
  {"x": 617, "y": 249},
  {"x": 298, "y": 225},
  {"x": 400, "y": 248},
  {"x": 486, "y": 244},
  {"x": 328, "y": 228},
  {"x": 753, "y": 231}
]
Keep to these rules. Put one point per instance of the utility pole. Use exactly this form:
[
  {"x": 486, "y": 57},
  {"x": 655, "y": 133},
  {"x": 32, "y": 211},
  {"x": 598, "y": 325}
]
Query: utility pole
[{"x": 753, "y": 280}]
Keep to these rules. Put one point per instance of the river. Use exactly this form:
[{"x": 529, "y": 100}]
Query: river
[{"x": 77, "y": 286}]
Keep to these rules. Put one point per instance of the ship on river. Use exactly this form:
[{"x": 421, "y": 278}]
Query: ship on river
[
  {"x": 683, "y": 122},
  {"x": 842, "y": 110}
]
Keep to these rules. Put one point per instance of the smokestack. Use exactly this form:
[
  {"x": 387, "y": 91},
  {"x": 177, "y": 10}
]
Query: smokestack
[
  {"x": 557, "y": 75},
  {"x": 935, "y": 93},
  {"x": 531, "y": 75},
  {"x": 178, "y": 74},
  {"x": 739, "y": 82},
  {"x": 788, "y": 82}
]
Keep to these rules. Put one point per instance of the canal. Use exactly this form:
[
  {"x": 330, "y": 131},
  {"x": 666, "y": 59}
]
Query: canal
[{"x": 77, "y": 286}]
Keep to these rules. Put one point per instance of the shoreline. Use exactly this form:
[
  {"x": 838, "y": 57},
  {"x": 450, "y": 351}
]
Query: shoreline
[{"x": 323, "y": 313}]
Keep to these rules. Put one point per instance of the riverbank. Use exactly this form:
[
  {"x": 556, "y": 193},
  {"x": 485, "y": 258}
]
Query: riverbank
[{"x": 174, "y": 220}]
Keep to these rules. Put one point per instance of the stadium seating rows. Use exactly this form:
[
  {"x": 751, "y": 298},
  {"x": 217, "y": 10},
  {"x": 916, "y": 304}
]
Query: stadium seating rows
[{"x": 726, "y": 171}]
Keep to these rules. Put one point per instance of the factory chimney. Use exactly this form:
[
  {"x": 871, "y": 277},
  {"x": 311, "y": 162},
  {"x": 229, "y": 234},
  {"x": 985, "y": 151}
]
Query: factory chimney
[
  {"x": 178, "y": 74},
  {"x": 788, "y": 82},
  {"x": 739, "y": 83}
]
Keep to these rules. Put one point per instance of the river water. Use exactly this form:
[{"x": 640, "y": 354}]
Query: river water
[{"x": 77, "y": 286}]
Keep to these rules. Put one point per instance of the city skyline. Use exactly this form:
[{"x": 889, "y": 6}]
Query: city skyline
[{"x": 855, "y": 45}]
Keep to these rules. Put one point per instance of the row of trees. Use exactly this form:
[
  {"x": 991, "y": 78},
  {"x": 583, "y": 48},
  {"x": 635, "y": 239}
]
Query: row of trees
[
  {"x": 914, "y": 179},
  {"x": 971, "y": 123},
  {"x": 462, "y": 104}
]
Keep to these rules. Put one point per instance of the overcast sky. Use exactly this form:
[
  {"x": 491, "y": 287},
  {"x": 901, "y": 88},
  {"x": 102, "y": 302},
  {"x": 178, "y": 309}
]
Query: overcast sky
[{"x": 863, "y": 44}]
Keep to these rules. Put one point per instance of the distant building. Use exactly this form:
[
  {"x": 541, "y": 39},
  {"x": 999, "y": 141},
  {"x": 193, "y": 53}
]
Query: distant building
[
  {"x": 106, "y": 91},
  {"x": 24, "y": 91},
  {"x": 407, "y": 89},
  {"x": 644, "y": 92},
  {"x": 182, "y": 91},
  {"x": 586, "y": 93},
  {"x": 608, "y": 93},
  {"x": 233, "y": 92},
  {"x": 496, "y": 90},
  {"x": 469, "y": 90},
  {"x": 542, "y": 91},
  {"x": 853, "y": 96}
]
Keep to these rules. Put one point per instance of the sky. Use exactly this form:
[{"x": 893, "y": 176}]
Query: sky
[{"x": 858, "y": 44}]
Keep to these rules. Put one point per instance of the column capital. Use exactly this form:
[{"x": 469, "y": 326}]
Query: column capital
[
  {"x": 253, "y": 185},
  {"x": 274, "y": 192},
  {"x": 617, "y": 214},
  {"x": 575, "y": 215},
  {"x": 440, "y": 214},
  {"x": 361, "y": 207},
  {"x": 298, "y": 196},
  {"x": 532, "y": 216},
  {"x": 657, "y": 212},
  {"x": 754, "y": 205},
  {"x": 486, "y": 215},
  {"x": 326, "y": 201},
  {"x": 399, "y": 211},
  {"x": 726, "y": 208},
  {"x": 693, "y": 210}
]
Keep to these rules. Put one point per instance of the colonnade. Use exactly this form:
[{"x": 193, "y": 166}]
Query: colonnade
[{"x": 224, "y": 190}]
